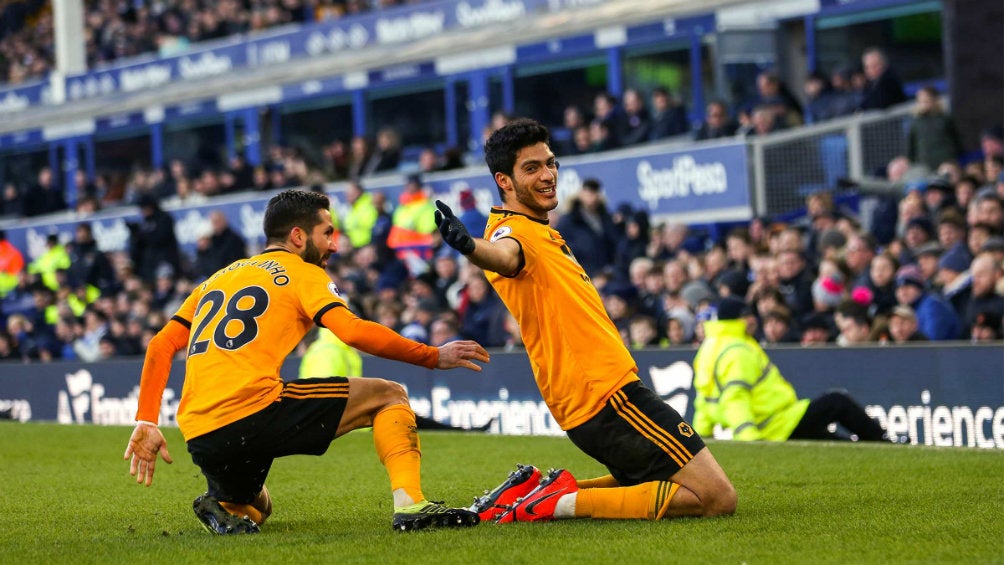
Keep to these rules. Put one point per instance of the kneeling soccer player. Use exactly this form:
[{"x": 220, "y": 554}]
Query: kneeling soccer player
[{"x": 236, "y": 413}]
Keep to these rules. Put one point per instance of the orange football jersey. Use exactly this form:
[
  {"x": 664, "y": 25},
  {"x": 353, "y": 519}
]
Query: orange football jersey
[
  {"x": 576, "y": 352},
  {"x": 244, "y": 320}
]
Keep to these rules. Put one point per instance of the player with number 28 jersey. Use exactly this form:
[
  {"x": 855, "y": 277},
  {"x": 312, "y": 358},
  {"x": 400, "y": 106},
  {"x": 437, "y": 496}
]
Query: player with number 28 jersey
[
  {"x": 238, "y": 415},
  {"x": 270, "y": 298}
]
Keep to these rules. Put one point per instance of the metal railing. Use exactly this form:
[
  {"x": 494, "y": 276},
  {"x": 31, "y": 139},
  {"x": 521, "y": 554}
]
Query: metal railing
[{"x": 787, "y": 166}]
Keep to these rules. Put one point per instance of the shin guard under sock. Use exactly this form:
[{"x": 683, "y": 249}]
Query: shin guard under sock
[
  {"x": 395, "y": 437},
  {"x": 648, "y": 501}
]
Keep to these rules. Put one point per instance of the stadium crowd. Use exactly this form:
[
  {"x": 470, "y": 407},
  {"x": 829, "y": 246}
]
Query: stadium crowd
[
  {"x": 117, "y": 29},
  {"x": 936, "y": 275},
  {"x": 925, "y": 265},
  {"x": 611, "y": 124}
]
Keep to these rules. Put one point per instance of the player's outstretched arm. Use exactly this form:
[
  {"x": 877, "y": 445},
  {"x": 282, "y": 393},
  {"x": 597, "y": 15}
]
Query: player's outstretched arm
[
  {"x": 375, "y": 339},
  {"x": 461, "y": 353},
  {"x": 145, "y": 444},
  {"x": 146, "y": 440},
  {"x": 503, "y": 256}
]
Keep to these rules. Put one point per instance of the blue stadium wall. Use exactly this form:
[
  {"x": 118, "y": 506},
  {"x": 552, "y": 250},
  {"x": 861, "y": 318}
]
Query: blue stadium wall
[{"x": 935, "y": 395}]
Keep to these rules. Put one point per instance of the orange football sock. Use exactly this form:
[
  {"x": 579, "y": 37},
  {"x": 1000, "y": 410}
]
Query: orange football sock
[
  {"x": 242, "y": 510},
  {"x": 606, "y": 481},
  {"x": 395, "y": 436},
  {"x": 647, "y": 500}
]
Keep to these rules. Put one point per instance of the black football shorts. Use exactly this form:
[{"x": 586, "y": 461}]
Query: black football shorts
[
  {"x": 638, "y": 437},
  {"x": 237, "y": 457}
]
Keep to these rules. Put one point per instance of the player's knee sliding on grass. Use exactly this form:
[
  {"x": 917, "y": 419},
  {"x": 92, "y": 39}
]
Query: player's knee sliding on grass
[{"x": 659, "y": 468}]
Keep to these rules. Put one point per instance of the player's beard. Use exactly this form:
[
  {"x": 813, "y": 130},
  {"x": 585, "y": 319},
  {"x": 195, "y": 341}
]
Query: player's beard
[
  {"x": 311, "y": 254},
  {"x": 528, "y": 197}
]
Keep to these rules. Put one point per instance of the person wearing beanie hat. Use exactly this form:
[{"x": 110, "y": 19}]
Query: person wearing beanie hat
[
  {"x": 953, "y": 277},
  {"x": 695, "y": 293},
  {"x": 910, "y": 275},
  {"x": 828, "y": 291},
  {"x": 738, "y": 388},
  {"x": 863, "y": 295},
  {"x": 474, "y": 220},
  {"x": 830, "y": 243},
  {"x": 816, "y": 330},
  {"x": 925, "y": 227},
  {"x": 732, "y": 283},
  {"x": 956, "y": 259},
  {"x": 938, "y": 194},
  {"x": 936, "y": 318},
  {"x": 679, "y": 326},
  {"x": 732, "y": 308},
  {"x": 926, "y": 258}
]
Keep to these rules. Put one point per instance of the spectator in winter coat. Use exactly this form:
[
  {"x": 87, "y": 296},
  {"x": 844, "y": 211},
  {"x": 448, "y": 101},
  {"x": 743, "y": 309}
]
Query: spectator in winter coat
[
  {"x": 152, "y": 241},
  {"x": 935, "y": 317},
  {"x": 953, "y": 278},
  {"x": 795, "y": 282},
  {"x": 932, "y": 138},
  {"x": 474, "y": 220},
  {"x": 44, "y": 197},
  {"x": 224, "y": 246},
  {"x": 89, "y": 266},
  {"x": 636, "y": 126},
  {"x": 883, "y": 88},
  {"x": 717, "y": 123},
  {"x": 588, "y": 228},
  {"x": 669, "y": 117},
  {"x": 986, "y": 275}
]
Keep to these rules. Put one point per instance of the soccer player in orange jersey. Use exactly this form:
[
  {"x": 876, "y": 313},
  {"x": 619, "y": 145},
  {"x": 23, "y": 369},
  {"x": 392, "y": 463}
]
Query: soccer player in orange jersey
[
  {"x": 659, "y": 466},
  {"x": 237, "y": 414}
]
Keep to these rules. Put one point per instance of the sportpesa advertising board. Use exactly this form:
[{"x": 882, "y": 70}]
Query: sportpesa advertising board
[{"x": 932, "y": 395}]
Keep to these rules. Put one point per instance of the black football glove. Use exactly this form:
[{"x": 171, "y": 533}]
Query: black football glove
[{"x": 452, "y": 229}]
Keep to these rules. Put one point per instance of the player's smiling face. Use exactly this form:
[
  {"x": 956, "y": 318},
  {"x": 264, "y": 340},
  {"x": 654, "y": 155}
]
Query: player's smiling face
[
  {"x": 534, "y": 182},
  {"x": 321, "y": 243}
]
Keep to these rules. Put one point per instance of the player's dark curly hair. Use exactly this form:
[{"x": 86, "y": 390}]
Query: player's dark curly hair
[
  {"x": 503, "y": 145},
  {"x": 292, "y": 208}
]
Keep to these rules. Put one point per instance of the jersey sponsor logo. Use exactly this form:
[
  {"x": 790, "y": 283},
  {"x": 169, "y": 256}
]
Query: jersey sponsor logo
[{"x": 500, "y": 233}]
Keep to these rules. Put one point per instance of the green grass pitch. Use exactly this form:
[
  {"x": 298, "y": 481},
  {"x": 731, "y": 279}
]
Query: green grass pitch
[{"x": 66, "y": 497}]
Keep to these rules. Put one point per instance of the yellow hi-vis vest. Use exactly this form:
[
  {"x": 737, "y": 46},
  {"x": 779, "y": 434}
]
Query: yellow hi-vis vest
[{"x": 738, "y": 388}]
